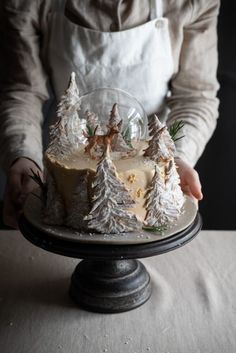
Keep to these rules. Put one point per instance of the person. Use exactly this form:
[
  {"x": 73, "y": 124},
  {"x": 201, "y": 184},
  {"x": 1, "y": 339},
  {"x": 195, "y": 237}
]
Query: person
[{"x": 162, "y": 52}]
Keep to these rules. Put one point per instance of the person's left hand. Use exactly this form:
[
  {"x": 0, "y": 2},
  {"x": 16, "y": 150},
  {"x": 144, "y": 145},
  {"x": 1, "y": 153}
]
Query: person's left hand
[
  {"x": 19, "y": 185},
  {"x": 189, "y": 180}
]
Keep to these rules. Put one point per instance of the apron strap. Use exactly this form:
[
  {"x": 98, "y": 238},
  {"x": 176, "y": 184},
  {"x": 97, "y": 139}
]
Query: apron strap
[{"x": 156, "y": 9}]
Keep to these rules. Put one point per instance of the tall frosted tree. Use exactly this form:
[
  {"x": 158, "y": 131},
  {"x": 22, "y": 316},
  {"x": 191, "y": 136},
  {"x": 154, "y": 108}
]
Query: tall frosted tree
[
  {"x": 173, "y": 185},
  {"x": 65, "y": 133},
  {"x": 110, "y": 202},
  {"x": 154, "y": 204}
]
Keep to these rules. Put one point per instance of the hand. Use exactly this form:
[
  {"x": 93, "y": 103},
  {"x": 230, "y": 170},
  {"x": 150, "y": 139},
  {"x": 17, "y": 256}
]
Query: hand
[
  {"x": 189, "y": 179},
  {"x": 19, "y": 185}
]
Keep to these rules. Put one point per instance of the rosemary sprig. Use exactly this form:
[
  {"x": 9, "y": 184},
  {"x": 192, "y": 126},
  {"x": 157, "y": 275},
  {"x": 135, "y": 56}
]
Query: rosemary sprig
[
  {"x": 127, "y": 136},
  {"x": 90, "y": 131},
  {"x": 159, "y": 229},
  {"x": 174, "y": 130},
  {"x": 37, "y": 179}
]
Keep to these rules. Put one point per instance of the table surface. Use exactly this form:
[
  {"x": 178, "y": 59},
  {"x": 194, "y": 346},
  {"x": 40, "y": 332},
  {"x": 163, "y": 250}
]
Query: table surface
[{"x": 192, "y": 308}]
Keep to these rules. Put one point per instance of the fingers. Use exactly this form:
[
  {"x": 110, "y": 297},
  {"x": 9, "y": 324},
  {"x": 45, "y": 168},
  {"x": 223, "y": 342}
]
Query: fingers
[
  {"x": 193, "y": 182},
  {"x": 189, "y": 178},
  {"x": 19, "y": 185}
]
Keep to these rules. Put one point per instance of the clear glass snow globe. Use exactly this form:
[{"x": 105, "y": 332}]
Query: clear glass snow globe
[{"x": 100, "y": 102}]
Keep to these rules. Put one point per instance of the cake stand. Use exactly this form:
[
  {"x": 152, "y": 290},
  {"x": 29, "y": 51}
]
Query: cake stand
[{"x": 109, "y": 279}]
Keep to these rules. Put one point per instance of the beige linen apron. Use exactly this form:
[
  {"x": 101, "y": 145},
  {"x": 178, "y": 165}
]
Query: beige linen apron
[{"x": 137, "y": 60}]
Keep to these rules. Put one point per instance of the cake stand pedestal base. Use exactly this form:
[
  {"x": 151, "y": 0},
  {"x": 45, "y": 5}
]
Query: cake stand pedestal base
[
  {"x": 110, "y": 286},
  {"x": 109, "y": 279}
]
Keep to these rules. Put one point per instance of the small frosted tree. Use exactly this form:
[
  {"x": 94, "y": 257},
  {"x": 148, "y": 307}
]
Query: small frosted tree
[
  {"x": 154, "y": 124},
  {"x": 114, "y": 116},
  {"x": 93, "y": 124},
  {"x": 161, "y": 146},
  {"x": 110, "y": 201},
  {"x": 164, "y": 198},
  {"x": 118, "y": 144}
]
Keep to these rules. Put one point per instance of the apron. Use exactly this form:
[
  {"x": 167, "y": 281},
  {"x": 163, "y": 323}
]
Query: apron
[{"x": 137, "y": 60}]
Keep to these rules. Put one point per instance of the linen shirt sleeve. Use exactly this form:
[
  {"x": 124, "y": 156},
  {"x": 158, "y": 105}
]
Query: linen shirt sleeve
[
  {"x": 194, "y": 87},
  {"x": 23, "y": 86}
]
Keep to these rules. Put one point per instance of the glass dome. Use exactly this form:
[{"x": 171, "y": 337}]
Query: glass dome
[{"x": 100, "y": 102}]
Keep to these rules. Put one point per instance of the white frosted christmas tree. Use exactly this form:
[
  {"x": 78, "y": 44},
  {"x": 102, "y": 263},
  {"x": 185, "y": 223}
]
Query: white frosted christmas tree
[
  {"x": 154, "y": 124},
  {"x": 173, "y": 186},
  {"x": 118, "y": 144},
  {"x": 65, "y": 134},
  {"x": 110, "y": 201},
  {"x": 164, "y": 198},
  {"x": 161, "y": 147},
  {"x": 154, "y": 206}
]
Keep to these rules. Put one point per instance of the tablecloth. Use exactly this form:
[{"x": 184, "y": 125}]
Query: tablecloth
[{"x": 192, "y": 308}]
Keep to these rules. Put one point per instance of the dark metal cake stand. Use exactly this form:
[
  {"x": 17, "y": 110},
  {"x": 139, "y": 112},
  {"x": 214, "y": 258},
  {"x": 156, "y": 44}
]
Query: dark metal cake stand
[{"x": 109, "y": 279}]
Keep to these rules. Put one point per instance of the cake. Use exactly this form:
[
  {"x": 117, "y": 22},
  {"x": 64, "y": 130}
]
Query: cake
[{"x": 101, "y": 179}]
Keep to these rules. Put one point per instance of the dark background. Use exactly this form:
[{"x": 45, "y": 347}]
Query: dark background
[{"x": 217, "y": 166}]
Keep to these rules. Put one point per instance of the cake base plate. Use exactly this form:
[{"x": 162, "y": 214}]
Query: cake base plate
[{"x": 33, "y": 212}]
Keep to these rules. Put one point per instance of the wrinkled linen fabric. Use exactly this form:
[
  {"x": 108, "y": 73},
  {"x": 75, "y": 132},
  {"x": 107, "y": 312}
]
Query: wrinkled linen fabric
[
  {"x": 192, "y": 308},
  {"x": 25, "y": 73}
]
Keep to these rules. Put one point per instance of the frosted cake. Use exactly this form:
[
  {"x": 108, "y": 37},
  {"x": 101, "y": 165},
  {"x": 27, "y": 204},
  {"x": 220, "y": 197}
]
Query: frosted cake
[{"x": 100, "y": 179}]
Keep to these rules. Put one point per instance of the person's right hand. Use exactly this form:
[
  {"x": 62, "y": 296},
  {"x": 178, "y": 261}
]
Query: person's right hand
[{"x": 19, "y": 185}]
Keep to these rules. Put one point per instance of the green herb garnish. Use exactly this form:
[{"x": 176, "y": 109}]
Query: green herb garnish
[
  {"x": 159, "y": 229},
  {"x": 174, "y": 130},
  {"x": 90, "y": 131},
  {"x": 37, "y": 179}
]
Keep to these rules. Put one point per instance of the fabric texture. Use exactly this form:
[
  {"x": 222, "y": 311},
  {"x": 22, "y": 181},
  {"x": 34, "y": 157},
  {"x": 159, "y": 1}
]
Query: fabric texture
[
  {"x": 107, "y": 59},
  {"x": 192, "y": 307},
  {"x": 25, "y": 73}
]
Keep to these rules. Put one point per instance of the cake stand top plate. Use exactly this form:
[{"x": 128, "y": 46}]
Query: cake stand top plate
[{"x": 33, "y": 214}]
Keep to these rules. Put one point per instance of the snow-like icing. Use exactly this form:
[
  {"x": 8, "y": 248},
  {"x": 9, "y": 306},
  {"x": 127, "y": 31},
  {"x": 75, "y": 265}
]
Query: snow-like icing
[
  {"x": 164, "y": 199},
  {"x": 110, "y": 199},
  {"x": 161, "y": 146}
]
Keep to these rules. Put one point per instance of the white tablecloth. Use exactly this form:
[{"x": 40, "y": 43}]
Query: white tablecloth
[{"x": 192, "y": 308}]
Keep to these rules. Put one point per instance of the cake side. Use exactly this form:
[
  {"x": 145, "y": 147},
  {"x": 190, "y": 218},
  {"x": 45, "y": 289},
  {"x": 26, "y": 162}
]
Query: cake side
[{"x": 135, "y": 173}]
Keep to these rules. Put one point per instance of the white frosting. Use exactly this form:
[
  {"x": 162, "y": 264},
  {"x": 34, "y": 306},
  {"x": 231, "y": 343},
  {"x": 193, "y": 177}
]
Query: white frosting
[
  {"x": 110, "y": 199},
  {"x": 161, "y": 146},
  {"x": 118, "y": 143},
  {"x": 114, "y": 116},
  {"x": 154, "y": 124},
  {"x": 67, "y": 132},
  {"x": 164, "y": 198}
]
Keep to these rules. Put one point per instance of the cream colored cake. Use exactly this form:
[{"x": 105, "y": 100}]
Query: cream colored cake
[{"x": 99, "y": 181}]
